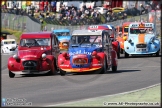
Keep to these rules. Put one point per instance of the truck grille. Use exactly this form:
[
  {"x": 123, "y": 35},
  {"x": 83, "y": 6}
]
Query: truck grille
[
  {"x": 66, "y": 44},
  {"x": 30, "y": 65},
  {"x": 141, "y": 45},
  {"x": 12, "y": 49},
  {"x": 80, "y": 61}
]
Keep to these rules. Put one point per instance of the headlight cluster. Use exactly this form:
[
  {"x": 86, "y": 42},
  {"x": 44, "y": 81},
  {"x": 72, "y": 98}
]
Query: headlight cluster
[
  {"x": 130, "y": 41},
  {"x": 15, "y": 56},
  {"x": 152, "y": 40},
  {"x": 44, "y": 55}
]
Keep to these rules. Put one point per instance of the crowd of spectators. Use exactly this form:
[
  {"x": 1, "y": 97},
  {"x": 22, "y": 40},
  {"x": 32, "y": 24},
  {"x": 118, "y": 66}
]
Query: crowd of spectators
[{"x": 74, "y": 15}]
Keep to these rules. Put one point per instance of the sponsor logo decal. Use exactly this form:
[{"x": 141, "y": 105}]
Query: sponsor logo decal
[{"x": 80, "y": 52}]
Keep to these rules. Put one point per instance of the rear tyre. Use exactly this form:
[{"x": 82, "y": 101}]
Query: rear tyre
[
  {"x": 55, "y": 64},
  {"x": 11, "y": 75},
  {"x": 157, "y": 54},
  {"x": 126, "y": 55},
  {"x": 53, "y": 70},
  {"x": 114, "y": 68},
  {"x": 104, "y": 69},
  {"x": 118, "y": 54},
  {"x": 62, "y": 73},
  {"x": 121, "y": 51}
]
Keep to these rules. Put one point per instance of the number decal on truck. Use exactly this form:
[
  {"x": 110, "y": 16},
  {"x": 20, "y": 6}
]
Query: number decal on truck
[{"x": 93, "y": 26}]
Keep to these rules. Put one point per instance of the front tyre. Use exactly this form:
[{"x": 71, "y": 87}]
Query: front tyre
[
  {"x": 121, "y": 51},
  {"x": 157, "y": 54},
  {"x": 118, "y": 55},
  {"x": 11, "y": 75},
  {"x": 104, "y": 69},
  {"x": 126, "y": 55},
  {"x": 62, "y": 73},
  {"x": 55, "y": 64},
  {"x": 53, "y": 70},
  {"x": 114, "y": 68}
]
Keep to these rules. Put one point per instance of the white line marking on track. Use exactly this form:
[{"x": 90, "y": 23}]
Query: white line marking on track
[{"x": 106, "y": 95}]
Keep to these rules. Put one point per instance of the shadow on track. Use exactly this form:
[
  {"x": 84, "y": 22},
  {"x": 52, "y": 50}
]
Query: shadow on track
[
  {"x": 108, "y": 72},
  {"x": 35, "y": 75},
  {"x": 122, "y": 71}
]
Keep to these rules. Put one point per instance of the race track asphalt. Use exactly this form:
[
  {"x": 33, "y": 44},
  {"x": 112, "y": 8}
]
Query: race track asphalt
[{"x": 133, "y": 73}]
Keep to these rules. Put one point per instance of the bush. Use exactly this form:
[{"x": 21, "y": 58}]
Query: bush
[{"x": 15, "y": 33}]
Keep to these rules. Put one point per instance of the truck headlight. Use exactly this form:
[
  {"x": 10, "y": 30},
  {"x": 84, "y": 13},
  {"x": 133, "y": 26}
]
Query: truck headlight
[
  {"x": 130, "y": 40},
  {"x": 44, "y": 55},
  {"x": 15, "y": 56},
  {"x": 153, "y": 40}
]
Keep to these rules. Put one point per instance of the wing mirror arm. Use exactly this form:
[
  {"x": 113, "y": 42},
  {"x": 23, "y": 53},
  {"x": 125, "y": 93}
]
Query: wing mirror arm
[{"x": 156, "y": 36}]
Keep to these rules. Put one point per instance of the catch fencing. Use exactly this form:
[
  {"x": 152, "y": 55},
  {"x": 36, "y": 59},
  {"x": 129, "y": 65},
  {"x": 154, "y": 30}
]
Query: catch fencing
[{"x": 29, "y": 24}]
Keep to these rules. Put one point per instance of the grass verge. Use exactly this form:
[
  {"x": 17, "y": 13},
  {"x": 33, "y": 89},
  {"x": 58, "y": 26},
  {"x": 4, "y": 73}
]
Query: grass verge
[
  {"x": 15, "y": 33},
  {"x": 151, "y": 97}
]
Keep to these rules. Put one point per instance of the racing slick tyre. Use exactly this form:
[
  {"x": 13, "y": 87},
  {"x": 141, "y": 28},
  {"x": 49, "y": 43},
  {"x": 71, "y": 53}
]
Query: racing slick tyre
[
  {"x": 11, "y": 75},
  {"x": 126, "y": 55},
  {"x": 55, "y": 64},
  {"x": 104, "y": 69},
  {"x": 62, "y": 73},
  {"x": 157, "y": 54},
  {"x": 53, "y": 70},
  {"x": 118, "y": 55},
  {"x": 114, "y": 68},
  {"x": 121, "y": 51}
]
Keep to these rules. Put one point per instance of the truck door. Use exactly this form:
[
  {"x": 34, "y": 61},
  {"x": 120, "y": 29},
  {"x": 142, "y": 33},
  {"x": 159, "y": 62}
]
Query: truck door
[
  {"x": 55, "y": 46},
  {"x": 107, "y": 47}
]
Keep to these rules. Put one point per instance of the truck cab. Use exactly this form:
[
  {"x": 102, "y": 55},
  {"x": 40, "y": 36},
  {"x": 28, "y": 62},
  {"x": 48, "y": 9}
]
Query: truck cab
[
  {"x": 63, "y": 36},
  {"x": 8, "y": 46},
  {"x": 37, "y": 54},
  {"x": 88, "y": 51},
  {"x": 122, "y": 36},
  {"x": 111, "y": 31},
  {"x": 142, "y": 39}
]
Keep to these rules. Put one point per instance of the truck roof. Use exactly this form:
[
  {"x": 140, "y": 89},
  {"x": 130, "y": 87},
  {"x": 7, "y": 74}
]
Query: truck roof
[
  {"x": 126, "y": 23},
  {"x": 61, "y": 30},
  {"x": 36, "y": 35},
  {"x": 86, "y": 32},
  {"x": 5, "y": 40}
]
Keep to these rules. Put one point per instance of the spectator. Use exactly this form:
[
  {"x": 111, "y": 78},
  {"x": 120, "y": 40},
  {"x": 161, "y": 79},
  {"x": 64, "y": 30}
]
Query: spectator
[
  {"x": 49, "y": 7},
  {"x": 60, "y": 17},
  {"x": 82, "y": 10},
  {"x": 86, "y": 12},
  {"x": 125, "y": 16},
  {"x": 45, "y": 8},
  {"x": 79, "y": 13},
  {"x": 72, "y": 6},
  {"x": 94, "y": 13},
  {"x": 47, "y": 16},
  {"x": 84, "y": 7},
  {"x": 41, "y": 15}
]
